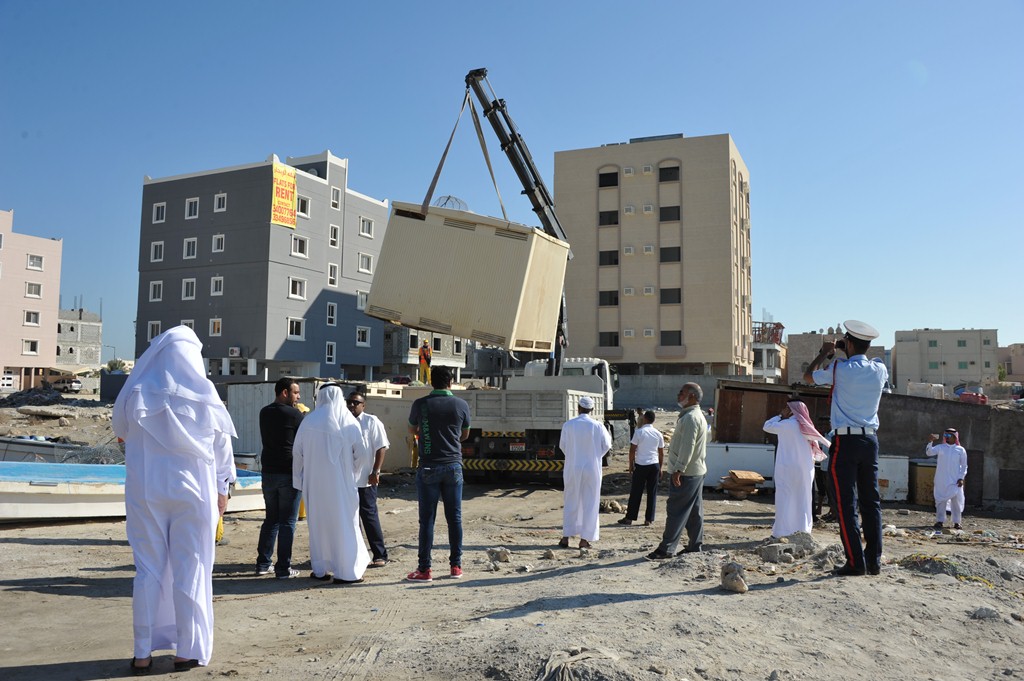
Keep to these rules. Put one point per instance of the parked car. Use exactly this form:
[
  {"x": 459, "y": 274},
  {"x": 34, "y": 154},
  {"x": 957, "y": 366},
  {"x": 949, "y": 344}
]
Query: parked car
[
  {"x": 67, "y": 385},
  {"x": 400, "y": 380},
  {"x": 973, "y": 398}
]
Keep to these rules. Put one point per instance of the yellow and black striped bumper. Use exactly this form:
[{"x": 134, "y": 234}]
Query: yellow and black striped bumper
[
  {"x": 502, "y": 433},
  {"x": 517, "y": 465}
]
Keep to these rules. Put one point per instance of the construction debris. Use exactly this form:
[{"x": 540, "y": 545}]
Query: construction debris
[{"x": 740, "y": 484}]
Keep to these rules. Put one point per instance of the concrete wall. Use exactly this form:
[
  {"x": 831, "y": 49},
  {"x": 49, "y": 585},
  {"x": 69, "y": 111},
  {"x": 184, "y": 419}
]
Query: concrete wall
[
  {"x": 661, "y": 391},
  {"x": 993, "y": 438}
]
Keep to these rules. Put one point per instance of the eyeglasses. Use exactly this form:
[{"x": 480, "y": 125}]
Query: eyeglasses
[{"x": 352, "y": 402}]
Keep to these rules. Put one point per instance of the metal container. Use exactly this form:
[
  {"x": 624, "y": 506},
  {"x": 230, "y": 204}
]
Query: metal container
[{"x": 471, "y": 276}]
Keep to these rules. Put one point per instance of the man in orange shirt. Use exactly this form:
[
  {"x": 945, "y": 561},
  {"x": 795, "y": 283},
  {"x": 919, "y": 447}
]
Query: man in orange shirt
[{"x": 425, "y": 354}]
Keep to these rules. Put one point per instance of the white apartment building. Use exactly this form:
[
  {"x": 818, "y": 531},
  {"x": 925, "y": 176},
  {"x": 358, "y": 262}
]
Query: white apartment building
[
  {"x": 949, "y": 357},
  {"x": 29, "y": 301}
]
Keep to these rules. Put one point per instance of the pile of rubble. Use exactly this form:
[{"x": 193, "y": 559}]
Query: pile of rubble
[{"x": 33, "y": 397}]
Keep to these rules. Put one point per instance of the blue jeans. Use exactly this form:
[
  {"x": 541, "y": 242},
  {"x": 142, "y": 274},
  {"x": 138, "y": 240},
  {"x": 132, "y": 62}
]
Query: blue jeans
[
  {"x": 282, "y": 502},
  {"x": 443, "y": 482}
]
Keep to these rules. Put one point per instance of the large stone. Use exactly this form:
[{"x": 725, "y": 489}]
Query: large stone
[{"x": 732, "y": 578}]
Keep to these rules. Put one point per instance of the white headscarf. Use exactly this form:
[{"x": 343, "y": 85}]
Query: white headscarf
[
  {"x": 170, "y": 397},
  {"x": 332, "y": 416}
]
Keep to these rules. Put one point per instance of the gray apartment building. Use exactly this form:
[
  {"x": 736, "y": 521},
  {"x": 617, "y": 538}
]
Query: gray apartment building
[
  {"x": 270, "y": 263},
  {"x": 79, "y": 339}
]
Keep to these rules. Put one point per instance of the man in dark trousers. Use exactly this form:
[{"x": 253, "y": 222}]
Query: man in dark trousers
[
  {"x": 440, "y": 422},
  {"x": 375, "y": 441},
  {"x": 853, "y": 457},
  {"x": 279, "y": 421}
]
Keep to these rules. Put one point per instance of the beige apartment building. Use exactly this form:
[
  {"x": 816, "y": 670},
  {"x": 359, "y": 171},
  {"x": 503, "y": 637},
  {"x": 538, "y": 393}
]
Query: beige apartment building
[
  {"x": 660, "y": 232},
  {"x": 949, "y": 357},
  {"x": 29, "y": 302}
]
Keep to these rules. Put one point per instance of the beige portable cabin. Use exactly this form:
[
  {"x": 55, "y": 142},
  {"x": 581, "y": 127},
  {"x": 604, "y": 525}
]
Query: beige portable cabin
[{"x": 469, "y": 275}]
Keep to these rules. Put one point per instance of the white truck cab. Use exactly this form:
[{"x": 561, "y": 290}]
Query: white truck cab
[{"x": 591, "y": 374}]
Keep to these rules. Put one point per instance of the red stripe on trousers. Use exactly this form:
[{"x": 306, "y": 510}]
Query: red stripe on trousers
[{"x": 839, "y": 504}]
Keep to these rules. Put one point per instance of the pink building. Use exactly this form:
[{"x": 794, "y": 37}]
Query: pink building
[{"x": 29, "y": 302}]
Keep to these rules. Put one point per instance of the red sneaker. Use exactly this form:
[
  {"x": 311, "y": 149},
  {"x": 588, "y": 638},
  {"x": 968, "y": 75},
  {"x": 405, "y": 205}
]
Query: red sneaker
[
  {"x": 419, "y": 576},
  {"x": 456, "y": 572}
]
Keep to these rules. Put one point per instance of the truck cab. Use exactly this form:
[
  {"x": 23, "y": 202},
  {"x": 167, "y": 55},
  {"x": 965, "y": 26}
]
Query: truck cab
[{"x": 580, "y": 373}]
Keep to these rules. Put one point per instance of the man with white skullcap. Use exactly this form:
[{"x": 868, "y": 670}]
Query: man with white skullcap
[
  {"x": 178, "y": 465},
  {"x": 584, "y": 442},
  {"x": 856, "y": 391},
  {"x": 950, "y": 471}
]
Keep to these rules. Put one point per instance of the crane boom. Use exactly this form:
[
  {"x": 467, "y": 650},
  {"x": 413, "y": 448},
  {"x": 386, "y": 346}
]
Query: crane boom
[{"x": 518, "y": 154}]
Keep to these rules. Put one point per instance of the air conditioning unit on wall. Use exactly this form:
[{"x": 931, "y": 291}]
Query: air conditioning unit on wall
[{"x": 234, "y": 351}]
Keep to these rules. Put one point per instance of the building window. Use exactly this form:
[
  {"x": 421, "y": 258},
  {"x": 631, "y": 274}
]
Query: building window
[
  {"x": 329, "y": 352},
  {"x": 669, "y": 174},
  {"x": 30, "y": 347},
  {"x": 156, "y": 251},
  {"x": 671, "y": 296},
  {"x": 437, "y": 344},
  {"x": 671, "y": 254},
  {"x": 458, "y": 346},
  {"x": 671, "y": 337},
  {"x": 218, "y": 243},
  {"x": 302, "y": 206},
  {"x": 332, "y": 314},
  {"x": 608, "y": 298},
  {"x": 159, "y": 212},
  {"x": 933, "y": 365},
  {"x": 363, "y": 336},
  {"x": 608, "y": 179},
  {"x": 156, "y": 291},
  {"x": 335, "y": 236},
  {"x": 332, "y": 274},
  {"x": 366, "y": 227},
  {"x": 153, "y": 330},
  {"x": 300, "y": 246},
  {"x": 35, "y": 262},
  {"x": 220, "y": 203},
  {"x": 216, "y": 286},
  {"x": 986, "y": 341},
  {"x": 961, "y": 343},
  {"x": 608, "y": 217},
  {"x": 192, "y": 208},
  {"x": 608, "y": 257},
  {"x": 335, "y": 198},
  {"x": 608, "y": 339},
  {"x": 668, "y": 214},
  {"x": 188, "y": 289},
  {"x": 988, "y": 365},
  {"x": 215, "y": 326},
  {"x": 933, "y": 343},
  {"x": 366, "y": 263},
  {"x": 361, "y": 297},
  {"x": 296, "y": 288},
  {"x": 414, "y": 341},
  {"x": 190, "y": 323},
  {"x": 189, "y": 248},
  {"x": 32, "y": 319},
  {"x": 296, "y": 328},
  {"x": 33, "y": 290},
  {"x": 961, "y": 365}
]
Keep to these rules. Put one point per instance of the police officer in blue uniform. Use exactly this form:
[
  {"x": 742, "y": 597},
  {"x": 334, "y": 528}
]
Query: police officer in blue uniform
[{"x": 853, "y": 465}]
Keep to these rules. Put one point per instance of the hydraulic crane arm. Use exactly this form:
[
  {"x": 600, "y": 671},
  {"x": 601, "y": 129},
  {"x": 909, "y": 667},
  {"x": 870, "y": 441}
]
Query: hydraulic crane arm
[{"x": 533, "y": 186}]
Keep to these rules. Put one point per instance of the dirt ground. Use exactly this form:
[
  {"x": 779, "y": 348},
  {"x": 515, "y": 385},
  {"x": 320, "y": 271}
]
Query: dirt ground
[{"x": 946, "y": 606}]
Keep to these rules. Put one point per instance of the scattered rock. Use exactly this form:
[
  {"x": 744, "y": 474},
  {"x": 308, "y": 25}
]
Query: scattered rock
[
  {"x": 612, "y": 506},
  {"x": 992, "y": 561},
  {"x": 548, "y": 555},
  {"x": 658, "y": 669},
  {"x": 47, "y": 412},
  {"x": 1007, "y": 575},
  {"x": 787, "y": 558},
  {"x": 984, "y": 614},
  {"x": 903, "y": 511},
  {"x": 732, "y": 578},
  {"x": 524, "y": 568},
  {"x": 63, "y": 422},
  {"x": 1017, "y": 616},
  {"x": 775, "y": 675},
  {"x": 499, "y": 555}
]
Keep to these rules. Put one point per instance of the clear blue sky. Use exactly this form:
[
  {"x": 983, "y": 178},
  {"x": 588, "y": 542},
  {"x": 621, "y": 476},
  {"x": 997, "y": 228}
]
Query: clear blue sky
[{"x": 884, "y": 139}]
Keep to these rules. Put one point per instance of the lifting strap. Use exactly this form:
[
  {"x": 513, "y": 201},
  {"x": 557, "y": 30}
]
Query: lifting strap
[{"x": 483, "y": 146}]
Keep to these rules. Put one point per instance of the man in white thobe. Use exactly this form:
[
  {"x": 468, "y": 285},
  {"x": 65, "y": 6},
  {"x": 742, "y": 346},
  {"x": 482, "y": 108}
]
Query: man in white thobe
[
  {"x": 327, "y": 448},
  {"x": 584, "y": 442},
  {"x": 950, "y": 471},
  {"x": 178, "y": 465},
  {"x": 794, "y": 469}
]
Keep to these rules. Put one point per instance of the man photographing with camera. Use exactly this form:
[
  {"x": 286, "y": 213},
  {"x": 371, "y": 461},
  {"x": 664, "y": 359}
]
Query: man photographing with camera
[{"x": 856, "y": 391}]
